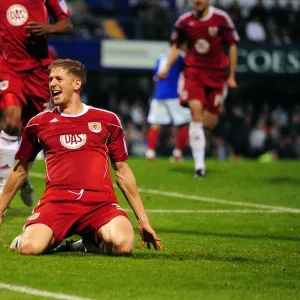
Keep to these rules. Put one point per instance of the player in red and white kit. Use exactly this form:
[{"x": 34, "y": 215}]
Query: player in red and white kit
[
  {"x": 24, "y": 58},
  {"x": 203, "y": 86},
  {"x": 79, "y": 142}
]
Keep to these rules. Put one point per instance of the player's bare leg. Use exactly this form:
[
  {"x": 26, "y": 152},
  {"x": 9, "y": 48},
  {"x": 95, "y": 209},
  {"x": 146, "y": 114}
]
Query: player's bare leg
[
  {"x": 36, "y": 239},
  {"x": 9, "y": 144},
  {"x": 8, "y": 136},
  {"x": 117, "y": 236},
  {"x": 197, "y": 137},
  {"x": 27, "y": 193},
  {"x": 210, "y": 121},
  {"x": 152, "y": 139}
]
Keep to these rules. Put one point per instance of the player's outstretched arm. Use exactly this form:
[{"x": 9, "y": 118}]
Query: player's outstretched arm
[
  {"x": 173, "y": 55},
  {"x": 232, "y": 66},
  {"x": 14, "y": 181},
  {"x": 38, "y": 28},
  {"x": 126, "y": 182}
]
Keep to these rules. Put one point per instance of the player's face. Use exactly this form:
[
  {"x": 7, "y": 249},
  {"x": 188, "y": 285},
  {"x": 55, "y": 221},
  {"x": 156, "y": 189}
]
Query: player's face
[
  {"x": 200, "y": 5},
  {"x": 62, "y": 85}
]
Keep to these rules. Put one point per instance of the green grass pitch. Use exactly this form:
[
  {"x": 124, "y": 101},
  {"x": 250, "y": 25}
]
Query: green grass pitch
[{"x": 213, "y": 249}]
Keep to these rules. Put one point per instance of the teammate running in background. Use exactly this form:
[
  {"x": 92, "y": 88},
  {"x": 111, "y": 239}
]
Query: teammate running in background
[
  {"x": 79, "y": 141},
  {"x": 24, "y": 59},
  {"x": 204, "y": 31},
  {"x": 165, "y": 109}
]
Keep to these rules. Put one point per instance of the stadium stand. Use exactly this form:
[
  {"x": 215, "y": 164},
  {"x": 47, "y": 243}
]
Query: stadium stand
[{"x": 261, "y": 117}]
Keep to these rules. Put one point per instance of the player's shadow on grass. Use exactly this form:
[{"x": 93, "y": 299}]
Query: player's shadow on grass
[
  {"x": 283, "y": 180},
  {"x": 161, "y": 255},
  {"x": 230, "y": 235},
  {"x": 193, "y": 256},
  {"x": 189, "y": 170}
]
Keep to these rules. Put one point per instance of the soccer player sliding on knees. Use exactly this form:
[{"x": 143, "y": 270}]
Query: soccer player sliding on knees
[{"x": 79, "y": 141}]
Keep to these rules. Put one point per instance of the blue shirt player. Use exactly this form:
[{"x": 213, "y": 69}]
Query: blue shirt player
[{"x": 165, "y": 108}]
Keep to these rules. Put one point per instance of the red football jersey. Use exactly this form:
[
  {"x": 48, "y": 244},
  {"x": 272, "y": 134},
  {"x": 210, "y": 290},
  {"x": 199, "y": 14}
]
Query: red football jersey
[
  {"x": 21, "y": 51},
  {"x": 78, "y": 148},
  {"x": 205, "y": 38}
]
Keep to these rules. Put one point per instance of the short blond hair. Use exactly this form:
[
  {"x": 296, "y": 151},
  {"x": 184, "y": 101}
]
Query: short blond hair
[{"x": 73, "y": 67}]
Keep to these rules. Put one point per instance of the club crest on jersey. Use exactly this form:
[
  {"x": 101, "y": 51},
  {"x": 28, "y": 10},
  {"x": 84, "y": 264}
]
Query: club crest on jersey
[
  {"x": 202, "y": 46},
  {"x": 95, "y": 126},
  {"x": 17, "y": 15},
  {"x": 33, "y": 216},
  {"x": 73, "y": 141},
  {"x": 213, "y": 31},
  {"x": 4, "y": 85}
]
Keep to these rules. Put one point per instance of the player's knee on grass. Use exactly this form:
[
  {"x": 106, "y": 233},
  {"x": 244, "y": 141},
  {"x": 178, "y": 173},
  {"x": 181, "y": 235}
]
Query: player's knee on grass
[
  {"x": 119, "y": 233},
  {"x": 31, "y": 247},
  {"x": 36, "y": 239},
  {"x": 122, "y": 244}
]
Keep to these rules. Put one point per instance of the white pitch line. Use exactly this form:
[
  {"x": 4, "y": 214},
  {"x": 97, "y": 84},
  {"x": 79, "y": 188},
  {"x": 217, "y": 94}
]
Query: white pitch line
[
  {"x": 35, "y": 292},
  {"x": 212, "y": 211},
  {"x": 213, "y": 200},
  {"x": 204, "y": 199},
  {"x": 37, "y": 175}
]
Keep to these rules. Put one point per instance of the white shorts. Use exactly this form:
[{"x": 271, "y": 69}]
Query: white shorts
[{"x": 168, "y": 111}]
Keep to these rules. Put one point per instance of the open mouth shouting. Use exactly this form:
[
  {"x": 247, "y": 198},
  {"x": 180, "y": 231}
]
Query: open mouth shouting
[{"x": 55, "y": 94}]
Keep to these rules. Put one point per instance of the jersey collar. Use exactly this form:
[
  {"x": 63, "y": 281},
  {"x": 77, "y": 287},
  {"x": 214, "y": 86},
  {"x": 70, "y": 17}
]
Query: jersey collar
[
  {"x": 209, "y": 15},
  {"x": 85, "y": 109}
]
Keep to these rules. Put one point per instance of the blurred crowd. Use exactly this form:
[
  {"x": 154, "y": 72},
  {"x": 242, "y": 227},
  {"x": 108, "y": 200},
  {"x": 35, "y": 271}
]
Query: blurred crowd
[
  {"x": 252, "y": 132},
  {"x": 275, "y": 23},
  {"x": 243, "y": 130}
]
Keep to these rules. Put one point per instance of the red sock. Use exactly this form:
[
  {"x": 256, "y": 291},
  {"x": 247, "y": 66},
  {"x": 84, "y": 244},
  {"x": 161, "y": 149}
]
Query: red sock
[
  {"x": 152, "y": 138},
  {"x": 182, "y": 135}
]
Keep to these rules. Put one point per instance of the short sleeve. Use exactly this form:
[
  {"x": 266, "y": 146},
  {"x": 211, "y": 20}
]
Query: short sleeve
[
  {"x": 58, "y": 9},
  {"x": 162, "y": 62},
  {"x": 116, "y": 141},
  {"x": 29, "y": 145},
  {"x": 178, "y": 33},
  {"x": 230, "y": 34}
]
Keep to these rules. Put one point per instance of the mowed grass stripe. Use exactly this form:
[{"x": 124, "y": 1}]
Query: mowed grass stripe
[
  {"x": 35, "y": 292},
  {"x": 205, "y": 199},
  {"x": 206, "y": 255}
]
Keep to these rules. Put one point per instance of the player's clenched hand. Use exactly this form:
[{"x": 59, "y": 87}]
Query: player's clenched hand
[
  {"x": 149, "y": 237},
  {"x": 37, "y": 28},
  {"x": 231, "y": 82},
  {"x": 162, "y": 74}
]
